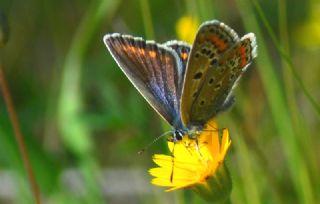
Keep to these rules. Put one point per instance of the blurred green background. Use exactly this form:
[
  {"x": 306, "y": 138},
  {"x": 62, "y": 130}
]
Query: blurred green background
[{"x": 84, "y": 122}]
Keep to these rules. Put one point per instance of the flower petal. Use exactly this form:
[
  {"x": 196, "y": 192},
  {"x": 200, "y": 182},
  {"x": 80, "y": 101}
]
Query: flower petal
[{"x": 193, "y": 161}]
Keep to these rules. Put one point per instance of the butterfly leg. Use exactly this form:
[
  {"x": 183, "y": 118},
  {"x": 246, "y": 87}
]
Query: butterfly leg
[{"x": 198, "y": 147}]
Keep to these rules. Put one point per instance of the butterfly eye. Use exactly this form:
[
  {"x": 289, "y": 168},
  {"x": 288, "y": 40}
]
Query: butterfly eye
[{"x": 178, "y": 135}]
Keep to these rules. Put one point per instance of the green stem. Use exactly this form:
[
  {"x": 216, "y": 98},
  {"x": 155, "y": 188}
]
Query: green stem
[
  {"x": 147, "y": 19},
  {"x": 286, "y": 57},
  {"x": 281, "y": 115},
  {"x": 75, "y": 132}
]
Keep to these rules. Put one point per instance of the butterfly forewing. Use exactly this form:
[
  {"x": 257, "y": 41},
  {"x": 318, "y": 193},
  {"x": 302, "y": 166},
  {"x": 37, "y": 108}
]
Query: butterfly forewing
[
  {"x": 153, "y": 69},
  {"x": 212, "y": 40}
]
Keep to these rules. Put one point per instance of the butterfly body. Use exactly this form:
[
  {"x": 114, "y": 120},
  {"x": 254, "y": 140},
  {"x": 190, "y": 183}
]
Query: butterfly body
[{"x": 187, "y": 85}]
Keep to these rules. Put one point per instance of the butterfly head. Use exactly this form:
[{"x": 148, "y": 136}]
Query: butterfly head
[
  {"x": 177, "y": 135},
  {"x": 186, "y": 133}
]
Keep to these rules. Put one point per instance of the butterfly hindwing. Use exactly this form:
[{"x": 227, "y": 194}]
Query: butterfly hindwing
[
  {"x": 153, "y": 69},
  {"x": 183, "y": 51},
  {"x": 212, "y": 40},
  {"x": 215, "y": 94}
]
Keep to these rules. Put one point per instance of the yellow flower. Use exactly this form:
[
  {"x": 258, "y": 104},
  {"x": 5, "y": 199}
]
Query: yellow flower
[
  {"x": 195, "y": 165},
  {"x": 308, "y": 34},
  {"x": 186, "y": 28}
]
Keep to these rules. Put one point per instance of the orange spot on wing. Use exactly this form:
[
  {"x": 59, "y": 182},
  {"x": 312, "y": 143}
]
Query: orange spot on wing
[
  {"x": 141, "y": 51},
  {"x": 167, "y": 59},
  {"x": 184, "y": 55},
  {"x": 152, "y": 54},
  {"x": 221, "y": 45},
  {"x": 129, "y": 48},
  {"x": 125, "y": 48},
  {"x": 242, "y": 53},
  {"x": 133, "y": 49}
]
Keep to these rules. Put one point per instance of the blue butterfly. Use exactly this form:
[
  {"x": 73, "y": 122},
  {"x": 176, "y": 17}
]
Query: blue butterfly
[{"x": 187, "y": 85}]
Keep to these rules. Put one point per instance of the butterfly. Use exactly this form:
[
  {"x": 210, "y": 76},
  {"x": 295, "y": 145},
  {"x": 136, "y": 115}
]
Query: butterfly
[{"x": 187, "y": 85}]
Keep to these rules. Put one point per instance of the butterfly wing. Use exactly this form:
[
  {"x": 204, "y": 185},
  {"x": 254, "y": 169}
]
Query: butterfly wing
[
  {"x": 183, "y": 50},
  {"x": 216, "y": 61},
  {"x": 215, "y": 94},
  {"x": 153, "y": 69}
]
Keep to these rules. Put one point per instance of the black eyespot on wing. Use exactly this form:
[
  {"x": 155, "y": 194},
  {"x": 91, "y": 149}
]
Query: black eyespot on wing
[
  {"x": 232, "y": 77},
  {"x": 222, "y": 69},
  {"x": 211, "y": 55},
  {"x": 218, "y": 86},
  {"x": 194, "y": 94},
  {"x": 197, "y": 76},
  {"x": 214, "y": 62}
]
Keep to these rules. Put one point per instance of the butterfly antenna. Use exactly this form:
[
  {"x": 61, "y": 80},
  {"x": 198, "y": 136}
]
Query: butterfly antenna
[{"x": 154, "y": 141}]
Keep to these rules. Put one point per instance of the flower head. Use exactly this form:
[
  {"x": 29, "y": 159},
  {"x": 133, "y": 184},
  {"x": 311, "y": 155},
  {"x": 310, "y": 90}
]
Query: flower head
[
  {"x": 186, "y": 28},
  {"x": 308, "y": 33},
  {"x": 193, "y": 163}
]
